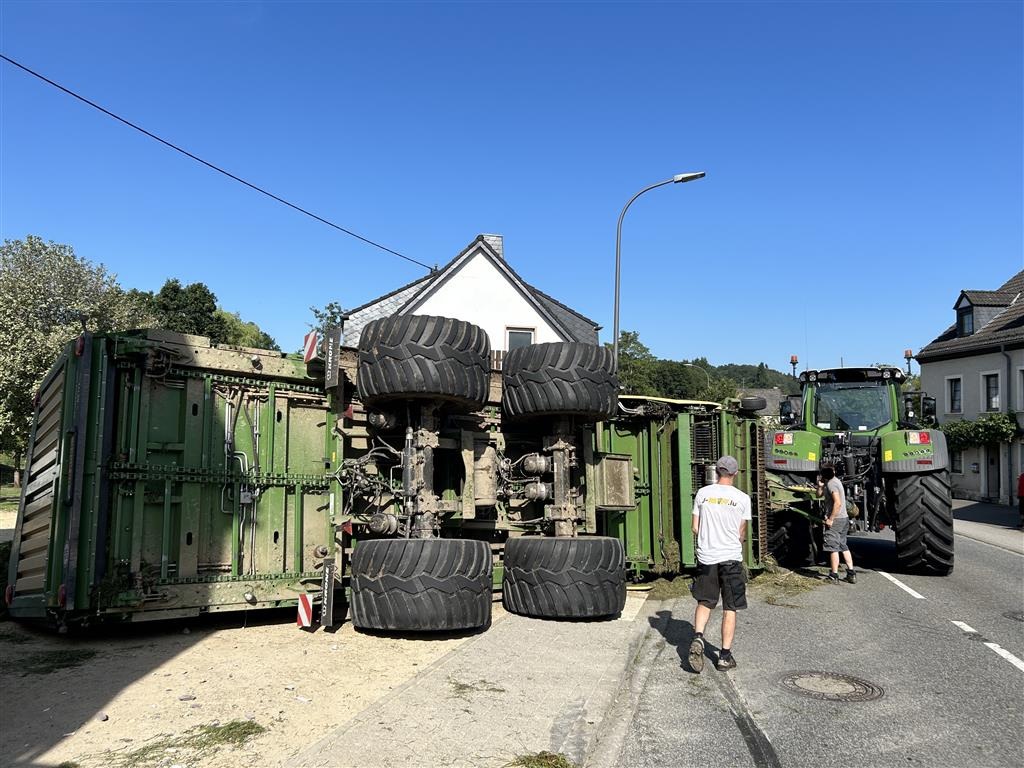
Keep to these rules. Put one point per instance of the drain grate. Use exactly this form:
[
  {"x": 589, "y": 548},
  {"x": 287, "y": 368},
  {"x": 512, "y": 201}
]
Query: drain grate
[
  {"x": 830, "y": 686},
  {"x": 1015, "y": 615}
]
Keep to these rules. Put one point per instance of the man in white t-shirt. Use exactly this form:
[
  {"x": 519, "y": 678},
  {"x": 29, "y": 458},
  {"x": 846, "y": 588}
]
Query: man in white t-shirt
[{"x": 720, "y": 516}]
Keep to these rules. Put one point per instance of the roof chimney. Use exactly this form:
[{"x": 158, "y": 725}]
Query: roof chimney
[{"x": 495, "y": 241}]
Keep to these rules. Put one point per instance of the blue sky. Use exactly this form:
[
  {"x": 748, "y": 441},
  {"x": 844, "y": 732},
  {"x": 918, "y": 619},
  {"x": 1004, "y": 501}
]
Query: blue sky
[{"x": 864, "y": 160}]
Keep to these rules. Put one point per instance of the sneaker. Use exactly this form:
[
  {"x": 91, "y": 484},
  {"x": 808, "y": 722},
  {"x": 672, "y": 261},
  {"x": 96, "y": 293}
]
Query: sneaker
[
  {"x": 851, "y": 576},
  {"x": 697, "y": 655},
  {"x": 726, "y": 662},
  {"x": 832, "y": 578}
]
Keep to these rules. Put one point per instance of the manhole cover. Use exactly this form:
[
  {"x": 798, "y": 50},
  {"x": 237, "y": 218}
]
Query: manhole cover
[
  {"x": 1015, "y": 615},
  {"x": 830, "y": 686}
]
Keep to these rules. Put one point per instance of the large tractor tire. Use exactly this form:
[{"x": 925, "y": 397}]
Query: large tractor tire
[
  {"x": 560, "y": 378},
  {"x": 565, "y": 578},
  {"x": 424, "y": 357},
  {"x": 923, "y": 511},
  {"x": 796, "y": 542},
  {"x": 421, "y": 585}
]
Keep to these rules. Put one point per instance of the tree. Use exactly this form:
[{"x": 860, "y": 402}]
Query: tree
[
  {"x": 636, "y": 365},
  {"x": 189, "y": 309},
  {"x": 245, "y": 334},
  {"x": 47, "y": 295},
  {"x": 331, "y": 316}
]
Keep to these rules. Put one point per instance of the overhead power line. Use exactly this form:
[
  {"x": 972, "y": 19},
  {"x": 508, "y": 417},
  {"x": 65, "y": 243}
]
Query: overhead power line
[{"x": 210, "y": 165}]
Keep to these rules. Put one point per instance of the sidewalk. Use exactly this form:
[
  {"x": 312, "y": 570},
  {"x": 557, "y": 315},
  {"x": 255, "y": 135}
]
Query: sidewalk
[
  {"x": 994, "y": 524},
  {"x": 522, "y": 687}
]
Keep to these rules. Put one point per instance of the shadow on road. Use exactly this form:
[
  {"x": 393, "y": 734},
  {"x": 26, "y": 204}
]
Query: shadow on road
[
  {"x": 680, "y": 633},
  {"x": 38, "y": 668},
  {"x": 992, "y": 514}
]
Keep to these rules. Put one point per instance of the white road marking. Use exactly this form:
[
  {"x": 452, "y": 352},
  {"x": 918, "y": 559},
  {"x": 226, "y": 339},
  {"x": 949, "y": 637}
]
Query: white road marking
[
  {"x": 965, "y": 627},
  {"x": 902, "y": 586},
  {"x": 1007, "y": 655},
  {"x": 993, "y": 646}
]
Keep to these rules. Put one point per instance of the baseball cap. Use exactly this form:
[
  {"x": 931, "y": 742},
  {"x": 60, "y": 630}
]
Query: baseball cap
[{"x": 727, "y": 465}]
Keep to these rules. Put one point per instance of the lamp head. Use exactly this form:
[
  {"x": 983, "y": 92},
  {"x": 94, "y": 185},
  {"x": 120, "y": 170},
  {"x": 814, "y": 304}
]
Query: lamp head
[{"x": 680, "y": 178}]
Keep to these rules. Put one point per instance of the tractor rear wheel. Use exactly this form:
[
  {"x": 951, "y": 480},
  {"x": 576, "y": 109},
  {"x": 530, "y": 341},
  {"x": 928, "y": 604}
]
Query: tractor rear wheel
[
  {"x": 560, "y": 378},
  {"x": 422, "y": 356},
  {"x": 565, "y": 578},
  {"x": 923, "y": 511},
  {"x": 421, "y": 585}
]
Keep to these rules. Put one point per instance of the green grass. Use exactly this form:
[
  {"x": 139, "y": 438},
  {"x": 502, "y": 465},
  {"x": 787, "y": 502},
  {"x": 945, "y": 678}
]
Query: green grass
[
  {"x": 45, "y": 662},
  {"x": 777, "y": 585},
  {"x": 200, "y": 741},
  {"x": 663, "y": 589},
  {"x": 542, "y": 760},
  {"x": 460, "y": 689}
]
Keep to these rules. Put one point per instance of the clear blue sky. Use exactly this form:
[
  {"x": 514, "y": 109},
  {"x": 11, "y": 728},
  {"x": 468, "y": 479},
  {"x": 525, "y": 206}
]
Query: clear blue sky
[{"x": 864, "y": 160}]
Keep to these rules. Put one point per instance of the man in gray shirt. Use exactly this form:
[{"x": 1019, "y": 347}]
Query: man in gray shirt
[{"x": 837, "y": 524}]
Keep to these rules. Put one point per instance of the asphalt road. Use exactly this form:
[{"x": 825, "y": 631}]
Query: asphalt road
[{"x": 948, "y": 697}]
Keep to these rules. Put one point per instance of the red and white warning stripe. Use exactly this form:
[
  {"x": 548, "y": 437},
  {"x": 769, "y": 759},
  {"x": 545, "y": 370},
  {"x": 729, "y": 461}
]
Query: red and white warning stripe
[
  {"x": 305, "y": 618},
  {"x": 309, "y": 346}
]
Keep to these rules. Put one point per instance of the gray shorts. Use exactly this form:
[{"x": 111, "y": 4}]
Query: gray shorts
[{"x": 835, "y": 537}]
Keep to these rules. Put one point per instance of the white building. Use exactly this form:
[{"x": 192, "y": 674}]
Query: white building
[
  {"x": 480, "y": 287},
  {"x": 974, "y": 368}
]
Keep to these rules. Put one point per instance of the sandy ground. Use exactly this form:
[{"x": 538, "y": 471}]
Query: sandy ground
[
  {"x": 151, "y": 684},
  {"x": 8, "y": 519}
]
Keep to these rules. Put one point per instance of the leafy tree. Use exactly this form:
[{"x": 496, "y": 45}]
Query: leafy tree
[
  {"x": 190, "y": 309},
  {"x": 244, "y": 334},
  {"x": 636, "y": 365},
  {"x": 47, "y": 295}
]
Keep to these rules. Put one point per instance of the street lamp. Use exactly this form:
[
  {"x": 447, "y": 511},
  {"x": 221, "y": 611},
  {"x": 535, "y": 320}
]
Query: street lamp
[
  {"x": 700, "y": 368},
  {"x": 679, "y": 178}
]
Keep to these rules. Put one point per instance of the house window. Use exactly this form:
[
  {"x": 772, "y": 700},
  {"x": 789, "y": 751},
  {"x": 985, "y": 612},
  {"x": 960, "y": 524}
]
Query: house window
[
  {"x": 956, "y": 462},
  {"x": 990, "y": 391},
  {"x": 519, "y": 337},
  {"x": 965, "y": 321},
  {"x": 954, "y": 396}
]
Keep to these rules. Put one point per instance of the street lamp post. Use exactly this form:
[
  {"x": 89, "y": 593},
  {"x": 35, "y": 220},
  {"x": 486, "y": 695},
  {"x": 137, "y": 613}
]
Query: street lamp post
[
  {"x": 677, "y": 179},
  {"x": 700, "y": 368}
]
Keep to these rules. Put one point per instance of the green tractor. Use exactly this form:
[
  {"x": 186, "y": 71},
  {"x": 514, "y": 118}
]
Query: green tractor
[{"x": 894, "y": 469}]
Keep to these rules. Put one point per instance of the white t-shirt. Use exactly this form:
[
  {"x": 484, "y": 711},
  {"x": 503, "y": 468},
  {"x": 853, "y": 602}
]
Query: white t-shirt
[{"x": 721, "y": 509}]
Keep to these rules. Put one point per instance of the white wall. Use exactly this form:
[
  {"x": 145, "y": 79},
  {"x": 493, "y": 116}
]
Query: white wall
[
  {"x": 934, "y": 375},
  {"x": 480, "y": 294}
]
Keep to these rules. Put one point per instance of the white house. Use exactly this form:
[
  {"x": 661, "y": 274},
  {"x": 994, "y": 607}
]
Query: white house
[
  {"x": 480, "y": 287},
  {"x": 976, "y": 367}
]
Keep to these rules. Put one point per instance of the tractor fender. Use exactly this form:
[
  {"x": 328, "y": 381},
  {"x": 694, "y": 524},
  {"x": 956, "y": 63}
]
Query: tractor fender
[
  {"x": 792, "y": 451},
  {"x": 911, "y": 451}
]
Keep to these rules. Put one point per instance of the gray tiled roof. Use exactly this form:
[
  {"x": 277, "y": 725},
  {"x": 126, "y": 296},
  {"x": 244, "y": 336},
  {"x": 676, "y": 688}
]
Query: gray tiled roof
[
  {"x": 1004, "y": 326},
  {"x": 990, "y": 298},
  {"x": 576, "y": 326}
]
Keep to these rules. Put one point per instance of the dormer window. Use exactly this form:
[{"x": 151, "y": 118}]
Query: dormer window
[{"x": 965, "y": 321}]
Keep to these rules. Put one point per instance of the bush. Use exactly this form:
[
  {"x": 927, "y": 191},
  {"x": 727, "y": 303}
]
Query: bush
[{"x": 988, "y": 430}]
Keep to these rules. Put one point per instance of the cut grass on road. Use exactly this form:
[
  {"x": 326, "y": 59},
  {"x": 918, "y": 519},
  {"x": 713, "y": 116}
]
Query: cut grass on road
[{"x": 193, "y": 745}]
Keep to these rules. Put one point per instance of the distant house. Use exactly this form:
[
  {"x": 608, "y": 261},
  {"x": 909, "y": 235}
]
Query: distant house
[
  {"x": 773, "y": 397},
  {"x": 479, "y": 286},
  {"x": 976, "y": 367}
]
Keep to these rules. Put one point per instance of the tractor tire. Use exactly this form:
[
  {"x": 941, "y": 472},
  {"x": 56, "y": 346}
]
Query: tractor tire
[
  {"x": 796, "y": 542},
  {"x": 421, "y": 585},
  {"x": 923, "y": 511},
  {"x": 560, "y": 378},
  {"x": 753, "y": 404},
  {"x": 564, "y": 578},
  {"x": 424, "y": 357}
]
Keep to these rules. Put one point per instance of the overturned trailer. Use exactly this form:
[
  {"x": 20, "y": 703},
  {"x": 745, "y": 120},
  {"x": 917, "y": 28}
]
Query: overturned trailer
[{"x": 168, "y": 477}]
